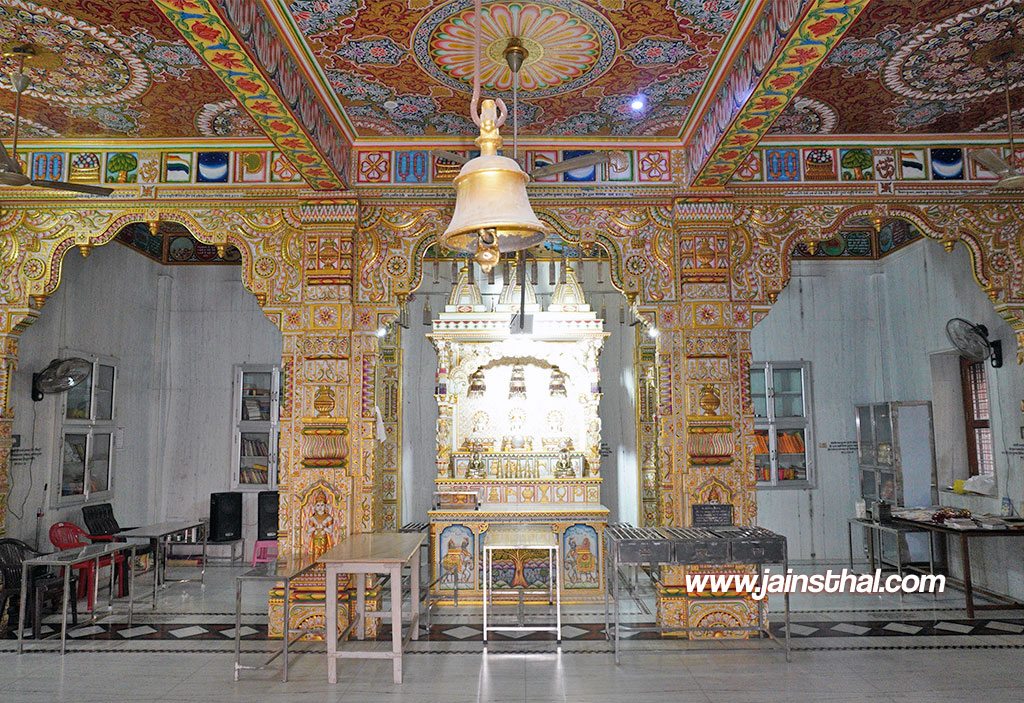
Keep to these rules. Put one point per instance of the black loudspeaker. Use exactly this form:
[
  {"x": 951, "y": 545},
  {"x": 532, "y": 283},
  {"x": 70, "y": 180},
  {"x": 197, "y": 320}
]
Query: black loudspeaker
[
  {"x": 225, "y": 516},
  {"x": 266, "y": 515}
]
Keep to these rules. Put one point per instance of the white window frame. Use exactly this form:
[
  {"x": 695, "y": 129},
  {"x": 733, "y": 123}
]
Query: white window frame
[
  {"x": 90, "y": 427},
  {"x": 774, "y": 425}
]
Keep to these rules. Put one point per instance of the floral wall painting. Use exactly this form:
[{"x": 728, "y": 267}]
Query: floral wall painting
[
  {"x": 84, "y": 167},
  {"x": 251, "y": 167},
  {"x": 819, "y": 164},
  {"x": 48, "y": 166},
  {"x": 948, "y": 164},
  {"x": 177, "y": 167},
  {"x": 783, "y": 164},
  {"x": 856, "y": 164},
  {"x": 122, "y": 167},
  {"x": 912, "y": 165},
  {"x": 212, "y": 167}
]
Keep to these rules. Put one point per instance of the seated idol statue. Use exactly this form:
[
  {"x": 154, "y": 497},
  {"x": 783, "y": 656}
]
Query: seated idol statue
[
  {"x": 563, "y": 467},
  {"x": 476, "y": 468}
]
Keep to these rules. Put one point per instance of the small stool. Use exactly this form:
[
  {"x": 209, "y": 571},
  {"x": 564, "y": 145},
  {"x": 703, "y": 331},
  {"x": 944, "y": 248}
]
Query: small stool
[{"x": 264, "y": 551}]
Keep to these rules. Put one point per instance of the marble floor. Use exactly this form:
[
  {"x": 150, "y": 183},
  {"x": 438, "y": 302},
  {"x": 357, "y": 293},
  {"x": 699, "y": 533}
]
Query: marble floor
[{"x": 845, "y": 648}]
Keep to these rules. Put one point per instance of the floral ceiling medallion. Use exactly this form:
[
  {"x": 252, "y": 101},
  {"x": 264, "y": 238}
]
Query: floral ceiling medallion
[
  {"x": 940, "y": 63},
  {"x": 569, "y": 45},
  {"x": 93, "y": 68}
]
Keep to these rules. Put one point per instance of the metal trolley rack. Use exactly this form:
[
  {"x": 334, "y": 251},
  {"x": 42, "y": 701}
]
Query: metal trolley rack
[{"x": 690, "y": 546}]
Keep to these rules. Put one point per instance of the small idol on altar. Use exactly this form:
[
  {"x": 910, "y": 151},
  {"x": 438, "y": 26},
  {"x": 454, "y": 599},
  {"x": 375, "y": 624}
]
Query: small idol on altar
[
  {"x": 476, "y": 468},
  {"x": 563, "y": 467}
]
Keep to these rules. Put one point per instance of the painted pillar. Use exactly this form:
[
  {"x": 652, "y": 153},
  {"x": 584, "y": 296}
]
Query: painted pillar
[{"x": 706, "y": 425}]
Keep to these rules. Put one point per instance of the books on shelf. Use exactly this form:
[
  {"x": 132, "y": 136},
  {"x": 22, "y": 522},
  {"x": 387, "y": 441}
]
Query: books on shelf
[
  {"x": 255, "y": 409},
  {"x": 790, "y": 443},
  {"x": 255, "y": 474},
  {"x": 253, "y": 447}
]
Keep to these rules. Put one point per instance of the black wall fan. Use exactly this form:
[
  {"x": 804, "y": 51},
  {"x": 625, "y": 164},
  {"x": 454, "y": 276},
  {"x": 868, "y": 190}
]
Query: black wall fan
[
  {"x": 973, "y": 343},
  {"x": 59, "y": 376}
]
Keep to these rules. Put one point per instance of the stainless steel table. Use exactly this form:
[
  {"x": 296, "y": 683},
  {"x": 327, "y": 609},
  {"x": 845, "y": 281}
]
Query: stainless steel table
[
  {"x": 158, "y": 535},
  {"x": 381, "y": 553},
  {"x": 530, "y": 538},
  {"x": 281, "y": 570},
  {"x": 68, "y": 558},
  {"x": 897, "y": 529}
]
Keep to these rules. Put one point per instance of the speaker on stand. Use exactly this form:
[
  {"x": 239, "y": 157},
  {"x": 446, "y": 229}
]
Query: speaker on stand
[
  {"x": 225, "y": 517},
  {"x": 266, "y": 515}
]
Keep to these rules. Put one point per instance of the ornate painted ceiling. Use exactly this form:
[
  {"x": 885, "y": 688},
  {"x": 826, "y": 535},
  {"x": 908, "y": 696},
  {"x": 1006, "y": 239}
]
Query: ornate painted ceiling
[
  {"x": 315, "y": 78},
  {"x": 905, "y": 67},
  {"x": 401, "y": 68},
  {"x": 112, "y": 69}
]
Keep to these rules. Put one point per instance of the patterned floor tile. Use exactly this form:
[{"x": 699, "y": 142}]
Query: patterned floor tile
[
  {"x": 959, "y": 628},
  {"x": 1004, "y": 626},
  {"x": 245, "y": 631},
  {"x": 136, "y": 631},
  {"x": 192, "y": 631},
  {"x": 902, "y": 628},
  {"x": 86, "y": 631},
  {"x": 462, "y": 632},
  {"x": 801, "y": 630},
  {"x": 851, "y": 629},
  {"x": 570, "y": 632}
]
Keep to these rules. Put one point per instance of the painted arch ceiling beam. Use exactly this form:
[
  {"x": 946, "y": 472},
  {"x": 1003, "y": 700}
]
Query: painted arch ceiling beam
[
  {"x": 763, "y": 81},
  {"x": 243, "y": 48}
]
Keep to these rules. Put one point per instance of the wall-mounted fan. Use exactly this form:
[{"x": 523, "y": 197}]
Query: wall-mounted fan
[
  {"x": 973, "y": 343},
  {"x": 1001, "y": 52},
  {"x": 11, "y": 173},
  {"x": 59, "y": 376}
]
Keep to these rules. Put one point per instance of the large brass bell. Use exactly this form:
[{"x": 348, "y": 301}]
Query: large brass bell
[{"x": 492, "y": 212}]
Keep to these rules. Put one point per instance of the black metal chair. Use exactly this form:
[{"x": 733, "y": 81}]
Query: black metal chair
[
  {"x": 100, "y": 521},
  {"x": 42, "y": 586}
]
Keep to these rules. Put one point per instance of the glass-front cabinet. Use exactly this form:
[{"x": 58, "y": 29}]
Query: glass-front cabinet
[
  {"x": 257, "y": 392},
  {"x": 896, "y": 463},
  {"x": 780, "y": 395}
]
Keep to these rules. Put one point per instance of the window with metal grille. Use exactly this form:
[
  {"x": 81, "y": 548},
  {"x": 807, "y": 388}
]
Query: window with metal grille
[{"x": 974, "y": 387}]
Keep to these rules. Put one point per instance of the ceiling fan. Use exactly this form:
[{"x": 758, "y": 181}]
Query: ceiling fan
[
  {"x": 515, "y": 55},
  {"x": 11, "y": 173},
  {"x": 1001, "y": 51}
]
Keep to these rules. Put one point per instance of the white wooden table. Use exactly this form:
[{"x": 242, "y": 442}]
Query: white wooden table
[
  {"x": 524, "y": 537},
  {"x": 382, "y": 553}
]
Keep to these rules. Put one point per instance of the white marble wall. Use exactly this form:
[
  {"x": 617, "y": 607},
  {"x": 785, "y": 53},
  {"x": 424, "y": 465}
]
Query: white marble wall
[
  {"x": 619, "y": 490},
  {"x": 875, "y": 331},
  {"x": 176, "y": 331}
]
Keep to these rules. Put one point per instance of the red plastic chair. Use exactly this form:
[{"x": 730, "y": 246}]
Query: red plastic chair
[{"x": 67, "y": 535}]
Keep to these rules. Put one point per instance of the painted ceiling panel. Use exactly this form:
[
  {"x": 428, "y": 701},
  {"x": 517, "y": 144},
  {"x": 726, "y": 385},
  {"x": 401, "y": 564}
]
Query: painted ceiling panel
[
  {"x": 905, "y": 67},
  {"x": 587, "y": 62},
  {"x": 112, "y": 69}
]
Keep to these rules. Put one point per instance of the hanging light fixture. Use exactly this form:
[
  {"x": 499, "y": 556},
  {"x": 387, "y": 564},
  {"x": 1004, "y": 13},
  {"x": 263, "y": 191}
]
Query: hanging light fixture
[{"x": 492, "y": 211}]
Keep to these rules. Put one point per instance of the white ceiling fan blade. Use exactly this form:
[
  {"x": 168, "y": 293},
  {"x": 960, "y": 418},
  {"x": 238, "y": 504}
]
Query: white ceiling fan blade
[
  {"x": 9, "y": 164},
  {"x": 1012, "y": 180},
  {"x": 597, "y": 157},
  {"x": 74, "y": 187},
  {"x": 992, "y": 161},
  {"x": 451, "y": 156}
]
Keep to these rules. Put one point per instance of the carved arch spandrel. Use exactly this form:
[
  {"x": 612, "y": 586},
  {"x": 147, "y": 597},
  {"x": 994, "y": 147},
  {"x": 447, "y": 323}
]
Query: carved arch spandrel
[
  {"x": 638, "y": 240},
  {"x": 33, "y": 244},
  {"x": 765, "y": 237}
]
